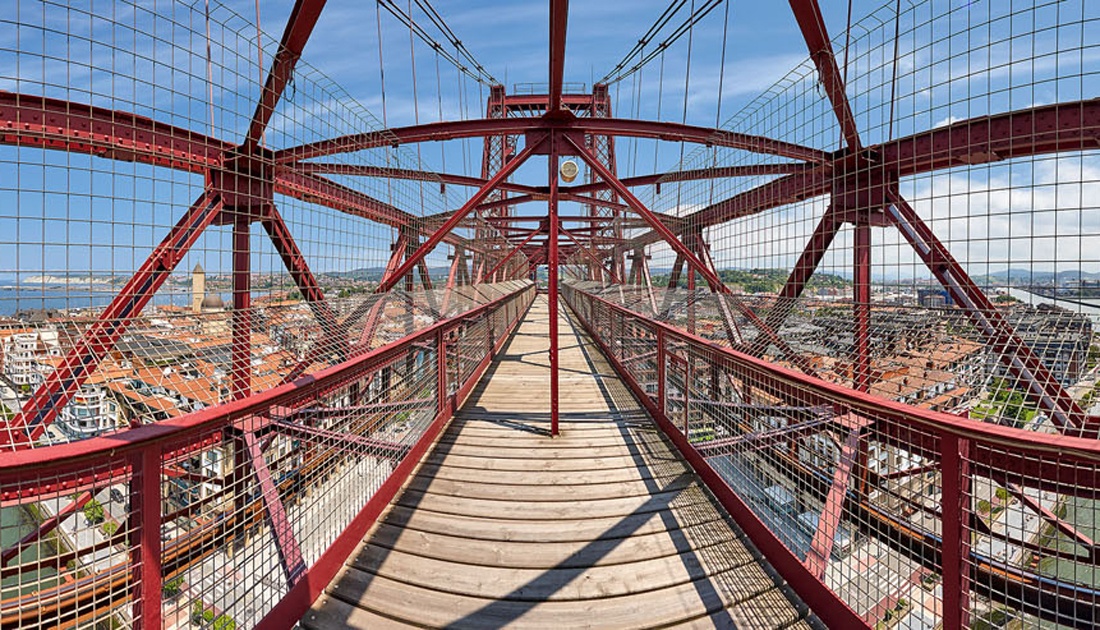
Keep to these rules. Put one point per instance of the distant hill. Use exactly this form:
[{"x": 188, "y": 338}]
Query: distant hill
[
  {"x": 761, "y": 280},
  {"x": 1027, "y": 277},
  {"x": 374, "y": 274}
]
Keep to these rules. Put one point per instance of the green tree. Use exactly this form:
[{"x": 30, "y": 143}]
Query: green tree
[{"x": 93, "y": 511}]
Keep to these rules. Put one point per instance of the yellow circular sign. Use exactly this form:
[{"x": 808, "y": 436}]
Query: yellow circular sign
[{"x": 569, "y": 170}]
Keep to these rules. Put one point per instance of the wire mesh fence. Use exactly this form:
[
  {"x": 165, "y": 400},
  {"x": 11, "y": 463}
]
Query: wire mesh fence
[
  {"x": 907, "y": 515},
  {"x": 216, "y": 517}
]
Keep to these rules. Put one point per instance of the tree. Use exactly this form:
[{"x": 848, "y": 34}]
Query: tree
[{"x": 93, "y": 511}]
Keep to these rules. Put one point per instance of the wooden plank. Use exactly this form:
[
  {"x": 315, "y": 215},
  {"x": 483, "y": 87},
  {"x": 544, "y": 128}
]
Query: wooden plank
[
  {"x": 604, "y": 526},
  {"x": 548, "y": 532},
  {"x": 498, "y": 490},
  {"x": 487, "y": 461},
  {"x": 619, "y": 450},
  {"x": 682, "y": 493},
  {"x": 431, "y": 608},
  {"x": 559, "y": 584},
  {"x": 538, "y": 477},
  {"x": 606, "y": 548}
]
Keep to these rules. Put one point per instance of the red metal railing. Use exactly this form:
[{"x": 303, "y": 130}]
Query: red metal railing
[
  {"x": 260, "y": 500},
  {"x": 870, "y": 508}
]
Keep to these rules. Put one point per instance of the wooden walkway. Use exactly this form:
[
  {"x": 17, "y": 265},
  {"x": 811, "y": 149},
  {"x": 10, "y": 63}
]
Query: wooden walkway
[{"x": 602, "y": 527}]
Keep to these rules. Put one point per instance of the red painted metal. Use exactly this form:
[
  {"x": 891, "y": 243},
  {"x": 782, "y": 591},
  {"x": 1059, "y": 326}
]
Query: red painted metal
[
  {"x": 824, "y": 602},
  {"x": 807, "y": 263},
  {"x": 1014, "y": 353},
  {"x": 955, "y": 507},
  {"x": 296, "y": 265},
  {"x": 861, "y": 307},
  {"x": 910, "y": 427},
  {"x": 45, "y": 527},
  {"x": 241, "y": 352},
  {"x": 593, "y": 258},
  {"x": 1054, "y": 463},
  {"x": 766, "y": 438},
  {"x": 457, "y": 217},
  {"x": 538, "y": 193},
  {"x": 479, "y": 128},
  {"x": 515, "y": 250},
  {"x": 821, "y": 547},
  {"x": 38, "y": 121},
  {"x": 1066, "y": 529},
  {"x": 812, "y": 23},
  {"x": 552, "y": 228},
  {"x": 342, "y": 440},
  {"x": 303, "y": 17},
  {"x": 286, "y": 542},
  {"x": 366, "y": 170},
  {"x": 145, "y": 543},
  {"x": 559, "y": 16},
  {"x": 61, "y": 384},
  {"x": 1065, "y": 127},
  {"x": 682, "y": 251},
  {"x": 295, "y": 604}
]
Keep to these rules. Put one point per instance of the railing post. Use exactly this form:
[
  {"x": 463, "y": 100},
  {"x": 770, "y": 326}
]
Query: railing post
[
  {"x": 955, "y": 511},
  {"x": 688, "y": 377},
  {"x": 145, "y": 574},
  {"x": 441, "y": 371},
  {"x": 661, "y": 371}
]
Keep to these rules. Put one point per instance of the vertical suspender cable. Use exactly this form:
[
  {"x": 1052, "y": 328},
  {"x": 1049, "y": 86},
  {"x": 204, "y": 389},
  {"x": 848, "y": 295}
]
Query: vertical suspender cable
[
  {"x": 894, "y": 69},
  {"x": 209, "y": 71},
  {"x": 260, "y": 59},
  {"x": 847, "y": 41},
  {"x": 721, "y": 86},
  {"x": 416, "y": 104},
  {"x": 439, "y": 105}
]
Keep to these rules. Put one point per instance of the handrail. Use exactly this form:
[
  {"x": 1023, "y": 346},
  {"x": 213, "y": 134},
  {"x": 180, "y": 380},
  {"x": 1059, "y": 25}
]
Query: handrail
[
  {"x": 1085, "y": 450},
  {"x": 254, "y": 493},
  {"x": 187, "y": 425},
  {"x": 975, "y": 466}
]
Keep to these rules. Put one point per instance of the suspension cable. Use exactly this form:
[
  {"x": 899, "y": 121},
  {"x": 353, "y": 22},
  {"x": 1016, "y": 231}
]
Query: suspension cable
[
  {"x": 639, "y": 48},
  {"x": 209, "y": 71},
  {"x": 894, "y": 69},
  {"x": 260, "y": 59},
  {"x": 684, "y": 27},
  {"x": 481, "y": 75}
]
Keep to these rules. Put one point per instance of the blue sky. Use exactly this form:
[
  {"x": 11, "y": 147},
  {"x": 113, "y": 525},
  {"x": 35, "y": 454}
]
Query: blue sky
[{"x": 955, "y": 60}]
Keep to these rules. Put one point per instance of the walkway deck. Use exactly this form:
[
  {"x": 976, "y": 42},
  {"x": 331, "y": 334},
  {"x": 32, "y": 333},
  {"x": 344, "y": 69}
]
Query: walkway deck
[{"x": 604, "y": 526}]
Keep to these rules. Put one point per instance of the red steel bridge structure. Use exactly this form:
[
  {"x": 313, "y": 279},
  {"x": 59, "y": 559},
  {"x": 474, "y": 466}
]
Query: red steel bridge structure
[{"x": 933, "y": 460}]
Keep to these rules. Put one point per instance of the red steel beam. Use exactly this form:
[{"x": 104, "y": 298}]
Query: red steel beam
[
  {"x": 812, "y": 23},
  {"x": 45, "y": 527},
  {"x": 298, "y": 29},
  {"x": 478, "y": 128},
  {"x": 1067, "y": 530},
  {"x": 991, "y": 324},
  {"x": 559, "y": 18},
  {"x": 366, "y": 170},
  {"x": 552, "y": 262},
  {"x": 241, "y": 350},
  {"x": 458, "y": 216},
  {"x": 539, "y": 193},
  {"x": 589, "y": 255},
  {"x": 821, "y": 547},
  {"x": 290, "y": 553},
  {"x": 683, "y": 251},
  {"x": 1036, "y": 131},
  {"x": 343, "y": 441},
  {"x": 804, "y": 268},
  {"x": 61, "y": 384},
  {"x": 515, "y": 250},
  {"x": 38, "y": 121},
  {"x": 307, "y": 284}
]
